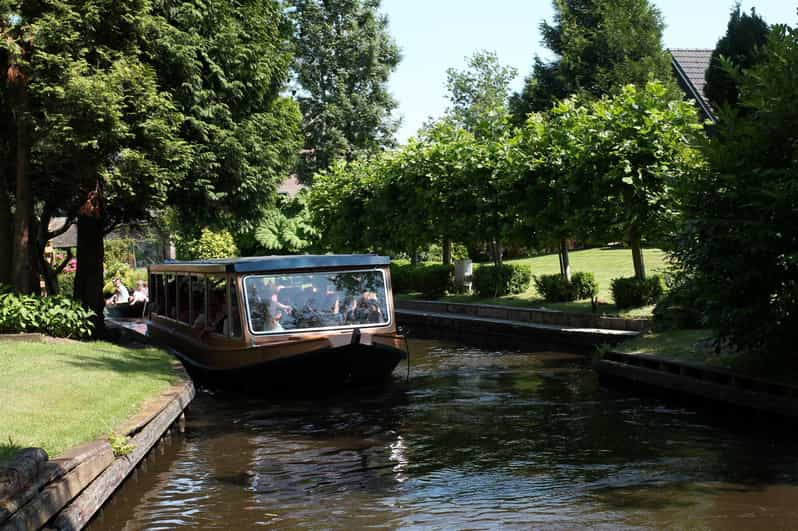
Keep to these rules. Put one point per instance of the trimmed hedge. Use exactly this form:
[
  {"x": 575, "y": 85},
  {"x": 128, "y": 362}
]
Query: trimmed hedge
[
  {"x": 555, "y": 288},
  {"x": 512, "y": 279},
  {"x": 432, "y": 280},
  {"x": 633, "y": 292},
  {"x": 54, "y": 315}
]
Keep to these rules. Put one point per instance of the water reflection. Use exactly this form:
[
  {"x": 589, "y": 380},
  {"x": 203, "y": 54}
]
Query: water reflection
[{"x": 475, "y": 439}]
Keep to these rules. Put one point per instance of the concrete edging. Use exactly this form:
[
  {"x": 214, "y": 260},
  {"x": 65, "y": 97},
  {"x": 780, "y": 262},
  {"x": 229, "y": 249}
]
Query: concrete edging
[
  {"x": 687, "y": 379},
  {"x": 515, "y": 334},
  {"x": 527, "y": 315},
  {"x": 74, "y": 485}
]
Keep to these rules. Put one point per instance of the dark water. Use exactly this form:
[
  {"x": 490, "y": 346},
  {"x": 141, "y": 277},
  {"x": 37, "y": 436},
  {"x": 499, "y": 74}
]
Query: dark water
[{"x": 475, "y": 439}]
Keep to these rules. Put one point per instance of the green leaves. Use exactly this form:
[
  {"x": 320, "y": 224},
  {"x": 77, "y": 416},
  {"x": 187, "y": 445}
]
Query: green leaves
[{"x": 55, "y": 316}]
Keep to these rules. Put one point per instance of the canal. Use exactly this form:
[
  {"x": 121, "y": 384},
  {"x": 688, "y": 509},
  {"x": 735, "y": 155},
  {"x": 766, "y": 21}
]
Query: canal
[{"x": 474, "y": 439}]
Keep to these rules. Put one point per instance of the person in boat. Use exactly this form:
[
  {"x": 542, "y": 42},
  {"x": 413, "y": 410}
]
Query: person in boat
[
  {"x": 219, "y": 323},
  {"x": 349, "y": 310},
  {"x": 139, "y": 297},
  {"x": 120, "y": 295},
  {"x": 276, "y": 310},
  {"x": 368, "y": 308}
]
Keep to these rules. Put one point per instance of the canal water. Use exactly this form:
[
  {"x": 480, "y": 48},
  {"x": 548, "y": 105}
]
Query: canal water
[{"x": 474, "y": 439}]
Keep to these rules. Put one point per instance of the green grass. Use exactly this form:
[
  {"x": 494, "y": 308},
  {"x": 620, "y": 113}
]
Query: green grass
[
  {"x": 606, "y": 264},
  {"x": 697, "y": 347},
  {"x": 56, "y": 395}
]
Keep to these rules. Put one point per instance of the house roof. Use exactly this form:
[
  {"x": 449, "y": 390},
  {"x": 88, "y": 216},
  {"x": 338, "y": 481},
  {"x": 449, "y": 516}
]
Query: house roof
[
  {"x": 258, "y": 264},
  {"x": 690, "y": 66}
]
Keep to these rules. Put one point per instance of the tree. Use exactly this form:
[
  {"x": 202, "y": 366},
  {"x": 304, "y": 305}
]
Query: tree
[
  {"x": 739, "y": 49},
  {"x": 224, "y": 65},
  {"x": 479, "y": 104},
  {"x": 601, "y": 45},
  {"x": 739, "y": 239},
  {"x": 94, "y": 137},
  {"x": 344, "y": 56}
]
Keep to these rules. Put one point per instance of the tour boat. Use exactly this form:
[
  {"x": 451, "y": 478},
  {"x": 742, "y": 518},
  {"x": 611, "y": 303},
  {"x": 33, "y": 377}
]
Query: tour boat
[{"x": 277, "y": 322}]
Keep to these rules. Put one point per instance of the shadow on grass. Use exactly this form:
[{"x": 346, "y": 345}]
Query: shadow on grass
[{"x": 133, "y": 361}]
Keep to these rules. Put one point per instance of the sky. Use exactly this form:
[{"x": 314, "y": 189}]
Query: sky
[{"x": 438, "y": 34}]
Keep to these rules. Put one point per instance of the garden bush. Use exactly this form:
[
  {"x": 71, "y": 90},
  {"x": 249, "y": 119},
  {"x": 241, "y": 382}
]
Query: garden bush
[
  {"x": 555, "y": 288},
  {"x": 55, "y": 315},
  {"x": 512, "y": 279},
  {"x": 210, "y": 244},
  {"x": 633, "y": 292},
  {"x": 431, "y": 280},
  {"x": 585, "y": 285},
  {"x": 680, "y": 308}
]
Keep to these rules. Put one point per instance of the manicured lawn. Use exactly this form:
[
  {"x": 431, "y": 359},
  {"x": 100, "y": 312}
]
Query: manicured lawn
[
  {"x": 606, "y": 264},
  {"x": 696, "y": 346},
  {"x": 59, "y": 394}
]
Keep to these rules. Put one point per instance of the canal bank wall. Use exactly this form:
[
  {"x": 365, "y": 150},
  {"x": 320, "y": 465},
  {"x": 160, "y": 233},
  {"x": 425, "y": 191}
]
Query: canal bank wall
[
  {"x": 696, "y": 382},
  {"x": 508, "y": 327},
  {"x": 63, "y": 493}
]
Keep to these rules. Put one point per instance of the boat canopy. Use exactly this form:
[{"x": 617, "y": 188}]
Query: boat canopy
[{"x": 262, "y": 264}]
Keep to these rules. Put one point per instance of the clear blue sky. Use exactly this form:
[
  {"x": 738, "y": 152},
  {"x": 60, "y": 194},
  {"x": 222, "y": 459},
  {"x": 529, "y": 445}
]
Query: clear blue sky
[{"x": 437, "y": 34}]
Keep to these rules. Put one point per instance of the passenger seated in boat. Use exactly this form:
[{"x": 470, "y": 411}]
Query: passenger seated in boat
[
  {"x": 218, "y": 324},
  {"x": 276, "y": 311},
  {"x": 120, "y": 294},
  {"x": 368, "y": 308},
  {"x": 349, "y": 311},
  {"x": 139, "y": 298}
]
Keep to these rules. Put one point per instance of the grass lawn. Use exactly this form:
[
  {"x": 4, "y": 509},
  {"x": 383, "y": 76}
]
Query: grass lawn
[
  {"x": 696, "y": 346},
  {"x": 56, "y": 395},
  {"x": 606, "y": 264}
]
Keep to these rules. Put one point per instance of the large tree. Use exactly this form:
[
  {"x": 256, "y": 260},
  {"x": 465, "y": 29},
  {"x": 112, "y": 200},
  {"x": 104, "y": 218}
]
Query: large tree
[
  {"x": 740, "y": 48},
  {"x": 92, "y": 136},
  {"x": 740, "y": 237},
  {"x": 225, "y": 64},
  {"x": 599, "y": 46},
  {"x": 344, "y": 56}
]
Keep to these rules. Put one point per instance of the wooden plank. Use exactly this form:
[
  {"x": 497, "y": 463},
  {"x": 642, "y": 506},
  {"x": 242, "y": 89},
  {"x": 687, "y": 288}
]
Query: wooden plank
[
  {"x": 80, "y": 511},
  {"x": 48, "y": 472},
  {"x": 56, "y": 495}
]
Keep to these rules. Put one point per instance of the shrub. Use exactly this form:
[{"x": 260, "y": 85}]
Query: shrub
[
  {"x": 633, "y": 292},
  {"x": 431, "y": 280},
  {"x": 55, "y": 315},
  {"x": 681, "y": 307},
  {"x": 66, "y": 283},
  {"x": 512, "y": 279},
  {"x": 585, "y": 285},
  {"x": 209, "y": 244},
  {"x": 555, "y": 288}
]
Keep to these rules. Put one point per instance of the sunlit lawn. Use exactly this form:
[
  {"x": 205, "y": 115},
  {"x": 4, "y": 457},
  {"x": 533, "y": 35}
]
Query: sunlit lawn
[
  {"x": 57, "y": 395},
  {"x": 606, "y": 264}
]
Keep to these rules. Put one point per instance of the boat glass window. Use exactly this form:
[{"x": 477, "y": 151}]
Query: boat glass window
[
  {"x": 158, "y": 302},
  {"x": 306, "y": 301},
  {"x": 183, "y": 298},
  {"x": 197, "y": 298},
  {"x": 171, "y": 296},
  {"x": 217, "y": 319}
]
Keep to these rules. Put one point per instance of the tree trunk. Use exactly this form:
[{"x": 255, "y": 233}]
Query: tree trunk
[
  {"x": 637, "y": 254},
  {"x": 89, "y": 275},
  {"x": 565, "y": 260},
  {"x": 23, "y": 266},
  {"x": 447, "y": 251},
  {"x": 414, "y": 259},
  {"x": 6, "y": 234}
]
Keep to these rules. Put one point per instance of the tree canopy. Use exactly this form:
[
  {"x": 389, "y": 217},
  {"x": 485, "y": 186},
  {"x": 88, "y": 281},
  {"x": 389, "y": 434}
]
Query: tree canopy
[
  {"x": 739, "y": 49},
  {"x": 600, "y": 46},
  {"x": 343, "y": 58}
]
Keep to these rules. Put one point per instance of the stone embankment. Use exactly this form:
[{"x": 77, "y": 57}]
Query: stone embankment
[{"x": 505, "y": 326}]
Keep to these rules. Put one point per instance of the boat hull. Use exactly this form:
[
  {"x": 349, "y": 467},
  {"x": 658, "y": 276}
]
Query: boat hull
[{"x": 313, "y": 372}]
